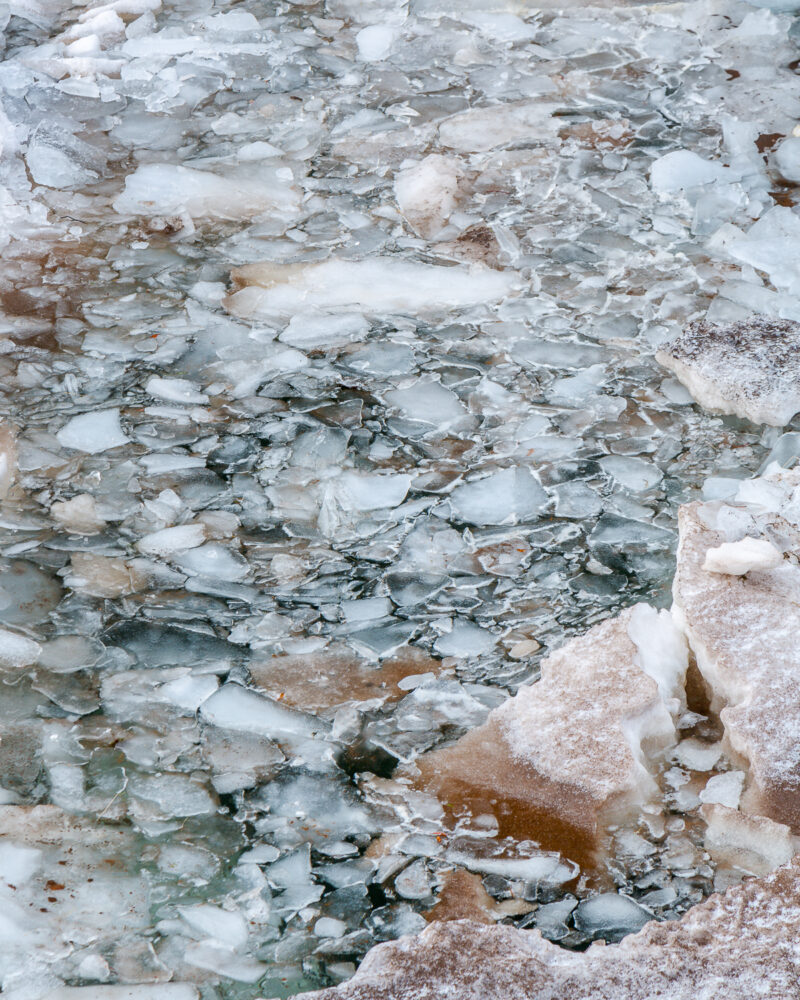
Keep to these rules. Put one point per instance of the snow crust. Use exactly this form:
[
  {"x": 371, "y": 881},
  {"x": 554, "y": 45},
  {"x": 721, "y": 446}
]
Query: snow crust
[{"x": 744, "y": 939}]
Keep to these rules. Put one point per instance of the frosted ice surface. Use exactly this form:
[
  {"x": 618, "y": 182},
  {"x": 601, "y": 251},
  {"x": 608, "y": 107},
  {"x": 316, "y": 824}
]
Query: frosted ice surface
[
  {"x": 742, "y": 629},
  {"x": 749, "y": 368}
]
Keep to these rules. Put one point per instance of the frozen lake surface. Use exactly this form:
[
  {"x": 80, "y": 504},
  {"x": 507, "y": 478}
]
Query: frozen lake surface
[{"x": 329, "y": 406}]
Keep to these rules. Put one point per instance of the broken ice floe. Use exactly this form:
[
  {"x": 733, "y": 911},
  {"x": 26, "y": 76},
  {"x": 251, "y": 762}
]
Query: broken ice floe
[{"x": 393, "y": 504}]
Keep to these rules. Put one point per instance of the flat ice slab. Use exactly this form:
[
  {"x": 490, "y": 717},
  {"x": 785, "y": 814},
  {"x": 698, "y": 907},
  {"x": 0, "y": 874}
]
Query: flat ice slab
[
  {"x": 750, "y": 368},
  {"x": 739, "y": 945}
]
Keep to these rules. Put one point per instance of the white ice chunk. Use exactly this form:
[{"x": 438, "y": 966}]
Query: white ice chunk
[
  {"x": 17, "y": 650},
  {"x": 662, "y": 651},
  {"x": 787, "y": 158},
  {"x": 93, "y": 432},
  {"x": 697, "y": 756},
  {"x": 377, "y": 285},
  {"x": 738, "y": 558},
  {"x": 166, "y": 189},
  {"x": 170, "y": 540},
  {"x": 175, "y": 390},
  {"x": 427, "y": 193},
  {"x": 375, "y": 42},
  {"x": 684, "y": 169},
  {"x": 726, "y": 789}
]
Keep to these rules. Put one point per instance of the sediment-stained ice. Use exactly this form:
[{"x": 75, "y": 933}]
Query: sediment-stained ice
[
  {"x": 750, "y": 368},
  {"x": 569, "y": 755},
  {"x": 742, "y": 630},
  {"x": 737, "y": 945}
]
